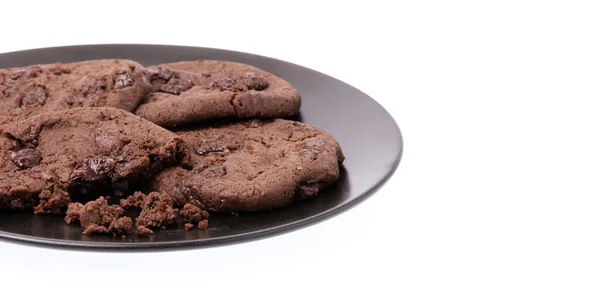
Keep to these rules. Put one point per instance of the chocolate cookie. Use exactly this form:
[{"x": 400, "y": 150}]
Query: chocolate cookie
[
  {"x": 33, "y": 90},
  {"x": 252, "y": 165},
  {"x": 46, "y": 159},
  {"x": 201, "y": 90}
]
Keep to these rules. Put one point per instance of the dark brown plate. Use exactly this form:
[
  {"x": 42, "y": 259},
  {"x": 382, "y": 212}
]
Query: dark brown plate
[{"x": 368, "y": 135}]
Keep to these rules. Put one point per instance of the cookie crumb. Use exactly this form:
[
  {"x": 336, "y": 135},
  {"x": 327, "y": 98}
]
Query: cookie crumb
[
  {"x": 121, "y": 226},
  {"x": 157, "y": 211},
  {"x": 143, "y": 231},
  {"x": 98, "y": 217},
  {"x": 192, "y": 213},
  {"x": 203, "y": 224},
  {"x": 133, "y": 201}
]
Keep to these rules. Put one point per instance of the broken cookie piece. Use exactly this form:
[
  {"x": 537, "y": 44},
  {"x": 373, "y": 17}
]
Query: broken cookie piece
[
  {"x": 121, "y": 226},
  {"x": 203, "y": 224},
  {"x": 99, "y": 217},
  {"x": 133, "y": 201},
  {"x": 143, "y": 231},
  {"x": 46, "y": 159},
  {"x": 192, "y": 213},
  {"x": 157, "y": 211}
]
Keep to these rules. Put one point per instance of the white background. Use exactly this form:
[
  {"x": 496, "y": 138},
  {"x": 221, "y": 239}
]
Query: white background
[{"x": 497, "y": 192}]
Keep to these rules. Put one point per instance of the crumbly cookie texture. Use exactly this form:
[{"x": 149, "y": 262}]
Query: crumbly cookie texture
[
  {"x": 47, "y": 159},
  {"x": 157, "y": 211},
  {"x": 99, "y": 217}
]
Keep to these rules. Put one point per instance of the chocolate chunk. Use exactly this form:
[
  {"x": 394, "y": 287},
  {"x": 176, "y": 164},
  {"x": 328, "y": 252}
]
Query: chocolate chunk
[
  {"x": 162, "y": 73},
  {"x": 308, "y": 155},
  {"x": 26, "y": 158},
  {"x": 176, "y": 86},
  {"x": 305, "y": 191},
  {"x": 95, "y": 168},
  {"x": 226, "y": 83},
  {"x": 122, "y": 81},
  {"x": 166, "y": 80},
  {"x": 255, "y": 81},
  {"x": 211, "y": 149},
  {"x": 110, "y": 141}
]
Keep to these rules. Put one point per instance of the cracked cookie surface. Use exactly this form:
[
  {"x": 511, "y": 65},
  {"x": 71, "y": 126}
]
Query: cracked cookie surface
[
  {"x": 46, "y": 159},
  {"x": 201, "y": 90},
  {"x": 252, "y": 165}
]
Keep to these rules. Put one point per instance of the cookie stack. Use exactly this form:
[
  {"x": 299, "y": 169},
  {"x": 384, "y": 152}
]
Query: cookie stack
[{"x": 175, "y": 141}]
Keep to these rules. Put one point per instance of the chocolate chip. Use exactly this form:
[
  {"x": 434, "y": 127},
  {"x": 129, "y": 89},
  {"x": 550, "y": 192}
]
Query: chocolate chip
[
  {"x": 95, "y": 168},
  {"x": 124, "y": 80},
  {"x": 160, "y": 73},
  {"x": 166, "y": 80},
  {"x": 225, "y": 83},
  {"x": 108, "y": 140},
  {"x": 176, "y": 85},
  {"x": 26, "y": 158},
  {"x": 255, "y": 81},
  {"x": 304, "y": 191},
  {"x": 308, "y": 155},
  {"x": 211, "y": 149}
]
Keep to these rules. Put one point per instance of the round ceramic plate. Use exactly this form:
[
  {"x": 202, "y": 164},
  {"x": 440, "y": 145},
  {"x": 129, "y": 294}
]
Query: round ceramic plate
[{"x": 368, "y": 135}]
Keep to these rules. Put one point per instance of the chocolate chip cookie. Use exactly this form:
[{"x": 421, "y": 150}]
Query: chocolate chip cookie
[
  {"x": 47, "y": 159},
  {"x": 37, "y": 89},
  {"x": 252, "y": 165},
  {"x": 202, "y": 90}
]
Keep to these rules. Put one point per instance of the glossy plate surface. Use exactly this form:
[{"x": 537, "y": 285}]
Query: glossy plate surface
[{"x": 368, "y": 135}]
